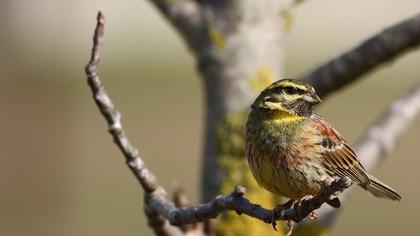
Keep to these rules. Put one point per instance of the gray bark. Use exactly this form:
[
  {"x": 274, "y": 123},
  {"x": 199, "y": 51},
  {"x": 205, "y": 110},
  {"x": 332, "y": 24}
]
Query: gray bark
[{"x": 253, "y": 38}]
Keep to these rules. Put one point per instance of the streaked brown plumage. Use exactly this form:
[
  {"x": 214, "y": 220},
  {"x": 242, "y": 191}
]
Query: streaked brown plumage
[{"x": 291, "y": 150}]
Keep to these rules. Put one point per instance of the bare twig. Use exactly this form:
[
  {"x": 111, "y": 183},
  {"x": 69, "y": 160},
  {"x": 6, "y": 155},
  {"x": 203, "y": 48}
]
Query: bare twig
[
  {"x": 113, "y": 118},
  {"x": 158, "y": 208},
  {"x": 381, "y": 48},
  {"x": 380, "y": 138},
  {"x": 179, "y": 196}
]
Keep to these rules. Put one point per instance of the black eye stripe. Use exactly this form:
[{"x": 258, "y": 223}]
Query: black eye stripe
[
  {"x": 292, "y": 90},
  {"x": 277, "y": 90}
]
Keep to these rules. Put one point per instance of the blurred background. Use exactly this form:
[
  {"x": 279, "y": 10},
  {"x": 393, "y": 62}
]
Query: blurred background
[{"x": 61, "y": 174}]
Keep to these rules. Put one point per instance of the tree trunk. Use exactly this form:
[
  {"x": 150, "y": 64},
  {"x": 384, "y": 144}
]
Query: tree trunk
[{"x": 245, "y": 54}]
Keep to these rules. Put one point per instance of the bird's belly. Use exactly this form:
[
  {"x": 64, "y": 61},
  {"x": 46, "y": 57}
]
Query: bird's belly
[
  {"x": 280, "y": 182},
  {"x": 281, "y": 177}
]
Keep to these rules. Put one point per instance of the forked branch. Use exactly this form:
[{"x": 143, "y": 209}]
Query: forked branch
[{"x": 235, "y": 201}]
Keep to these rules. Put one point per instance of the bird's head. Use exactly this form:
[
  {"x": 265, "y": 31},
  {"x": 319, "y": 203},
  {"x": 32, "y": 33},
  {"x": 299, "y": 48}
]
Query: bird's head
[{"x": 288, "y": 95}]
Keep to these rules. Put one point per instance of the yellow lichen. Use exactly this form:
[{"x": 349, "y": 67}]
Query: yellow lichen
[
  {"x": 288, "y": 19},
  {"x": 216, "y": 37},
  {"x": 262, "y": 78},
  {"x": 232, "y": 159}
]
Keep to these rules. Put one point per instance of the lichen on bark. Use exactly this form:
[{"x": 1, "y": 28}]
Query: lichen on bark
[{"x": 233, "y": 163}]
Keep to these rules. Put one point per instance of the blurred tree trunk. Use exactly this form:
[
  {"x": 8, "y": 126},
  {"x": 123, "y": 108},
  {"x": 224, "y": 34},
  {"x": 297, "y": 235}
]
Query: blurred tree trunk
[
  {"x": 239, "y": 47},
  {"x": 245, "y": 54}
]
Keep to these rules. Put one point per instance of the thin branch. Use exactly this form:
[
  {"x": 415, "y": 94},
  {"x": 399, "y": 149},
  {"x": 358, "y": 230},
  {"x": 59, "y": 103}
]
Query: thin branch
[
  {"x": 381, "y": 48},
  {"x": 380, "y": 138},
  {"x": 113, "y": 118},
  {"x": 157, "y": 206}
]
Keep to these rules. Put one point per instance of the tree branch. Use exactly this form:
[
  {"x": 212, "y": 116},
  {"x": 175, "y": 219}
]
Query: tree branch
[
  {"x": 381, "y": 48},
  {"x": 113, "y": 117},
  {"x": 180, "y": 199},
  {"x": 236, "y": 202},
  {"x": 187, "y": 17},
  {"x": 157, "y": 206},
  {"x": 159, "y": 224},
  {"x": 380, "y": 138}
]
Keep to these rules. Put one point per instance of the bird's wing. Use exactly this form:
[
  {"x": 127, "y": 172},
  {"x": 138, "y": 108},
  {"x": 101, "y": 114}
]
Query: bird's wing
[{"x": 335, "y": 154}]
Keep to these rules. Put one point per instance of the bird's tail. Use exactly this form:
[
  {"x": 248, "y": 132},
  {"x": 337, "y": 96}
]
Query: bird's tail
[{"x": 379, "y": 189}]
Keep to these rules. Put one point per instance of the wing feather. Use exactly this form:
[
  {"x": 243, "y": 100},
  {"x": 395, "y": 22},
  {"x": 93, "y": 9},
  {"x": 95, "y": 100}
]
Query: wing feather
[{"x": 336, "y": 154}]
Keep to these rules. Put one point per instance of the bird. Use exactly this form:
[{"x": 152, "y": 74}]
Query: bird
[{"x": 291, "y": 150}]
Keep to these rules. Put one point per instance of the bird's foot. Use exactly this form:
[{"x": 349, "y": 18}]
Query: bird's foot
[
  {"x": 278, "y": 210},
  {"x": 297, "y": 206},
  {"x": 334, "y": 202}
]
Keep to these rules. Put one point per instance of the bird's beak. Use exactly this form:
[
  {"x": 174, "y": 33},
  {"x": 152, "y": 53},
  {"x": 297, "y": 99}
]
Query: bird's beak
[{"x": 312, "y": 98}]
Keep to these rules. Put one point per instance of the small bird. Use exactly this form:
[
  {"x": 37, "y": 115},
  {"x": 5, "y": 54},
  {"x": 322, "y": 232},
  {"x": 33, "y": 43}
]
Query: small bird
[{"x": 291, "y": 150}]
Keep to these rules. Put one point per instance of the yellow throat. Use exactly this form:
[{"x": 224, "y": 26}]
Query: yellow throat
[{"x": 282, "y": 116}]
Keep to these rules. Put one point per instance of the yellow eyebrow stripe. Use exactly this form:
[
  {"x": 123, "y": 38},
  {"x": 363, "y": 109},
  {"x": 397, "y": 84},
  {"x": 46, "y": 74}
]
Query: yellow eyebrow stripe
[{"x": 288, "y": 84}]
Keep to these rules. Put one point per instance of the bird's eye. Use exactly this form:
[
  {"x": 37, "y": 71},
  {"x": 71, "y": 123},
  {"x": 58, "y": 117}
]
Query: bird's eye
[
  {"x": 289, "y": 90},
  {"x": 271, "y": 99}
]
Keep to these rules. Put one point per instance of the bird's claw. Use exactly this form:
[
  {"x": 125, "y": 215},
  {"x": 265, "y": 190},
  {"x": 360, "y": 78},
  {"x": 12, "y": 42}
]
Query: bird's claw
[
  {"x": 274, "y": 216},
  {"x": 277, "y": 211}
]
